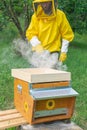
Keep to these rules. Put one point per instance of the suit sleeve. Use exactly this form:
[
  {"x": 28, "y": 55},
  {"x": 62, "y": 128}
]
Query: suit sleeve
[
  {"x": 66, "y": 31},
  {"x": 33, "y": 28}
]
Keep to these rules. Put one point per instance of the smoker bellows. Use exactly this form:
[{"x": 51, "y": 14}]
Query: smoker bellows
[{"x": 43, "y": 94}]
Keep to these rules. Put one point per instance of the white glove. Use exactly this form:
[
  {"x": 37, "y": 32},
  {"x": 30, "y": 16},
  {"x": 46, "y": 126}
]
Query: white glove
[
  {"x": 65, "y": 45},
  {"x": 36, "y": 45},
  {"x": 34, "y": 41},
  {"x": 64, "y": 50}
]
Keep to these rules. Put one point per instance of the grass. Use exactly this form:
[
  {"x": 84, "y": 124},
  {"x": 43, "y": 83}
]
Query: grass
[
  {"x": 77, "y": 65},
  {"x": 76, "y": 62},
  {"x": 8, "y": 60}
]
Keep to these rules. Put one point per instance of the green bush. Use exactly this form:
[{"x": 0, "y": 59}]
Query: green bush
[{"x": 76, "y": 11}]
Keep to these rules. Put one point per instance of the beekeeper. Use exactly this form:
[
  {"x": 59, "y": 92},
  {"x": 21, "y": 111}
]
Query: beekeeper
[{"x": 49, "y": 29}]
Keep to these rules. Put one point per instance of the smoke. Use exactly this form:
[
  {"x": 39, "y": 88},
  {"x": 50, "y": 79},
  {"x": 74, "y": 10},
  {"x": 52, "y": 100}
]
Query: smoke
[{"x": 38, "y": 60}]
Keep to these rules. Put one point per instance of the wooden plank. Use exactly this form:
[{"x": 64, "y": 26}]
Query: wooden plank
[
  {"x": 6, "y": 112},
  {"x": 12, "y": 123},
  {"x": 11, "y": 118}
]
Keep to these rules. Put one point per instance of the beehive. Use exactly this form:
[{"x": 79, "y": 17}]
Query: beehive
[{"x": 42, "y": 94}]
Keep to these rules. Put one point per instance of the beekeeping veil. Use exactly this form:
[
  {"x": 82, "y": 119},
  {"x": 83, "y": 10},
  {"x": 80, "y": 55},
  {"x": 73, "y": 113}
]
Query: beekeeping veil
[{"x": 44, "y": 8}]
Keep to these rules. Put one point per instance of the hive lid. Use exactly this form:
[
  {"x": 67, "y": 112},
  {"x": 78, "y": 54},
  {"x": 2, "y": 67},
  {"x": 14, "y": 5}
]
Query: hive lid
[{"x": 37, "y": 75}]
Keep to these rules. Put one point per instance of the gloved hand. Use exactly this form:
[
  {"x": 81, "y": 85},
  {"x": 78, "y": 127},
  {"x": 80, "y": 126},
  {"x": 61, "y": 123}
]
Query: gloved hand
[
  {"x": 64, "y": 50},
  {"x": 63, "y": 57},
  {"x": 36, "y": 44},
  {"x": 38, "y": 48}
]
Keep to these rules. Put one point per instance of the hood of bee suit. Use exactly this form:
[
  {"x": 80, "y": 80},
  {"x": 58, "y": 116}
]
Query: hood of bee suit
[{"x": 44, "y": 8}]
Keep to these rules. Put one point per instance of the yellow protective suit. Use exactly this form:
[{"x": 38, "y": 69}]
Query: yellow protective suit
[{"x": 50, "y": 31}]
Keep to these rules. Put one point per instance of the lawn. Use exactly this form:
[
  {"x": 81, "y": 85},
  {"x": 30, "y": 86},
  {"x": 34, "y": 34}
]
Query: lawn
[{"x": 76, "y": 62}]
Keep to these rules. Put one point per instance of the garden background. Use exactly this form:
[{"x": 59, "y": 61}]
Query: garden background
[{"x": 15, "y": 16}]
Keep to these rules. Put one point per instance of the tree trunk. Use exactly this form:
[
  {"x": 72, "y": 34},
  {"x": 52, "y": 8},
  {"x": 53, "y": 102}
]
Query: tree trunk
[{"x": 14, "y": 18}]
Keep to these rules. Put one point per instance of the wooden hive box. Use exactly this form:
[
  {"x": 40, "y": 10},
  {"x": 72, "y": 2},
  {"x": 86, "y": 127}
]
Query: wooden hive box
[{"x": 42, "y": 94}]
